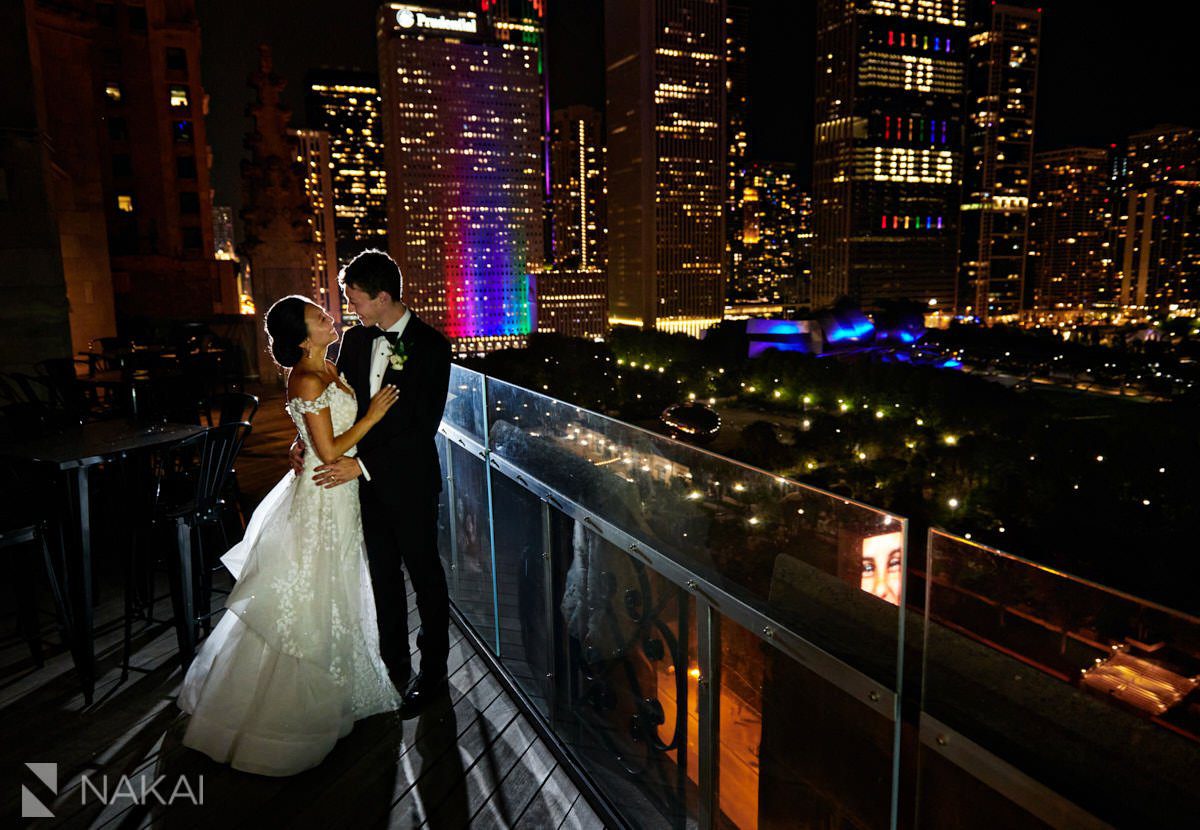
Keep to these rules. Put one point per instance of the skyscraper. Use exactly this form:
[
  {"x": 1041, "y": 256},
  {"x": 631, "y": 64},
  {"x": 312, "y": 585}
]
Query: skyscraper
[
  {"x": 572, "y": 301},
  {"x": 577, "y": 155},
  {"x": 463, "y": 134},
  {"x": 737, "y": 126},
  {"x": 1070, "y": 261},
  {"x": 666, "y": 162},
  {"x": 122, "y": 109},
  {"x": 314, "y": 153},
  {"x": 1159, "y": 222},
  {"x": 572, "y": 290},
  {"x": 155, "y": 154},
  {"x": 774, "y": 223},
  {"x": 223, "y": 232},
  {"x": 345, "y": 104},
  {"x": 1002, "y": 96},
  {"x": 887, "y": 156}
]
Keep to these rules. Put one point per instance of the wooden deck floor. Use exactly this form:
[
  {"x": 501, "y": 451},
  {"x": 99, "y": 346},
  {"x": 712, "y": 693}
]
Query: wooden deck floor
[{"x": 472, "y": 760}]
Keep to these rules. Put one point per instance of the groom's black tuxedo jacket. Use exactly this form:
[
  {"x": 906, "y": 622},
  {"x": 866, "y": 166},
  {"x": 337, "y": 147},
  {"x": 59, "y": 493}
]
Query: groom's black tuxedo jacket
[{"x": 399, "y": 452}]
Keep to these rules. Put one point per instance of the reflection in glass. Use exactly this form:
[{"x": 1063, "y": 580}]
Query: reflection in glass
[
  {"x": 1083, "y": 689},
  {"x": 626, "y": 634},
  {"x": 470, "y": 582}
]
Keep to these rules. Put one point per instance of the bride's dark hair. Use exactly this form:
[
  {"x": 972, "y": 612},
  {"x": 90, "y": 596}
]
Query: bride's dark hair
[{"x": 287, "y": 329}]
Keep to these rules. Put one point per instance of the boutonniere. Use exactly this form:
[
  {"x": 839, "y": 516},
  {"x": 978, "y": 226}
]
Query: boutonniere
[{"x": 397, "y": 355}]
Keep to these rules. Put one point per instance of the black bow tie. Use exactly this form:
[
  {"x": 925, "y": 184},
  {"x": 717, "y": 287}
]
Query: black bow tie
[{"x": 392, "y": 336}]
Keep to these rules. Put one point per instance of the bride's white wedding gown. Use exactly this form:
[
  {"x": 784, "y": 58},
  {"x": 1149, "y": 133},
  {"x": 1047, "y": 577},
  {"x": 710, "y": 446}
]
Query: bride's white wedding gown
[{"x": 295, "y": 660}]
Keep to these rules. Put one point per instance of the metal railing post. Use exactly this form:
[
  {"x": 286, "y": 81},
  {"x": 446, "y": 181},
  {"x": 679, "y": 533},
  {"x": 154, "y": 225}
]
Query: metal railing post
[{"x": 708, "y": 645}]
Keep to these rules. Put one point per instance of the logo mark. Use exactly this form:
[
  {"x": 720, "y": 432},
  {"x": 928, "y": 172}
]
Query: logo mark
[
  {"x": 31, "y": 807},
  {"x": 406, "y": 19}
]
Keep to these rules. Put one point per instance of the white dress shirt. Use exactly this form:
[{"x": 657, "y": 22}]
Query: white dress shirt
[
  {"x": 379, "y": 360},
  {"x": 379, "y": 364}
]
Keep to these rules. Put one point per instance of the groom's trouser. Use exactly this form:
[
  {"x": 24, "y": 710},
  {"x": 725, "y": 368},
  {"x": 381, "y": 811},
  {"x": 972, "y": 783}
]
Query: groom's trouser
[{"x": 407, "y": 533}]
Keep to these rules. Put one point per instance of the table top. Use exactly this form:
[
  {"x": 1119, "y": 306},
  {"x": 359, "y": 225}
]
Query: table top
[
  {"x": 96, "y": 442},
  {"x": 125, "y": 377}
]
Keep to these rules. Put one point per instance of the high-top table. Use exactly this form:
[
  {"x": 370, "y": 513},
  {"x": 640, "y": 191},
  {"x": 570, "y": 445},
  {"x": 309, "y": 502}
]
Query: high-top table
[{"x": 74, "y": 453}]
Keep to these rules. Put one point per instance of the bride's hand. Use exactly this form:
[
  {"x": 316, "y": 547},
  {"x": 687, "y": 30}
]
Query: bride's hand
[{"x": 381, "y": 403}]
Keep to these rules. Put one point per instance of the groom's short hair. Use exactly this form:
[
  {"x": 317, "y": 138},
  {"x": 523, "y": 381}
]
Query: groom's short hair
[{"x": 373, "y": 271}]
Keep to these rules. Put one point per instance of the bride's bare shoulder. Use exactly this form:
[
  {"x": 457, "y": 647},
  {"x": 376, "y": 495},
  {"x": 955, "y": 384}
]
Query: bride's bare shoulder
[{"x": 304, "y": 385}]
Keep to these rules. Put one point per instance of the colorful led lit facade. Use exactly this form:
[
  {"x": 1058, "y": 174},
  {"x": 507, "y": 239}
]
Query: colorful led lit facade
[
  {"x": 314, "y": 153},
  {"x": 463, "y": 130},
  {"x": 577, "y": 160},
  {"x": 1070, "y": 241},
  {"x": 666, "y": 163},
  {"x": 1002, "y": 81},
  {"x": 1159, "y": 223},
  {"x": 887, "y": 155},
  {"x": 346, "y": 105}
]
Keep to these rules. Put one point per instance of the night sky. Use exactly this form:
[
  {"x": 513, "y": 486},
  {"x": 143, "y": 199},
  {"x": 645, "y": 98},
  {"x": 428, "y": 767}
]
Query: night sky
[{"x": 1102, "y": 74}]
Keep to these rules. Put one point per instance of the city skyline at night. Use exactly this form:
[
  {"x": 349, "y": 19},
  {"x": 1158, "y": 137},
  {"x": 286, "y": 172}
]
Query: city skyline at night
[{"x": 574, "y": 36}]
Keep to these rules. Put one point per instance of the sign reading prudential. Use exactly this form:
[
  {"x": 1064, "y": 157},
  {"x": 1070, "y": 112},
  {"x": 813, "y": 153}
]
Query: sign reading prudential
[{"x": 411, "y": 18}]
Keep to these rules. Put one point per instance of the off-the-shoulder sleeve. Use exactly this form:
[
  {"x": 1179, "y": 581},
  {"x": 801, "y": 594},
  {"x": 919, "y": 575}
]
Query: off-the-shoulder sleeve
[{"x": 318, "y": 403}]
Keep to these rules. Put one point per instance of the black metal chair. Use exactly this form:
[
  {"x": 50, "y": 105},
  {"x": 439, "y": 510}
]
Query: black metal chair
[
  {"x": 225, "y": 408},
  {"x": 22, "y": 526},
  {"x": 231, "y": 406},
  {"x": 8, "y": 390},
  {"x": 186, "y": 498},
  {"x": 24, "y": 579}
]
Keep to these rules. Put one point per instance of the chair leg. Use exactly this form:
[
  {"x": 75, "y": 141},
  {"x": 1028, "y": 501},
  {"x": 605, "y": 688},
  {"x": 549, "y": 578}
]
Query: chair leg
[
  {"x": 60, "y": 605},
  {"x": 204, "y": 601},
  {"x": 183, "y": 593},
  {"x": 130, "y": 606}
]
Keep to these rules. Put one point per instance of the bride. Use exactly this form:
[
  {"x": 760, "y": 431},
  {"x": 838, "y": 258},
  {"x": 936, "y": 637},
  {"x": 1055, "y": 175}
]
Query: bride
[{"x": 295, "y": 660}]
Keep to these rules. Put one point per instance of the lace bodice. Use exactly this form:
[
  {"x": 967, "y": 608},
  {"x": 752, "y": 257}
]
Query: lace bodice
[{"x": 343, "y": 409}]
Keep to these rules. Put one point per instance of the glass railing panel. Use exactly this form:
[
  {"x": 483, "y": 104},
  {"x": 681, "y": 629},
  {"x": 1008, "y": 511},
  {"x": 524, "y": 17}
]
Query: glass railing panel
[
  {"x": 794, "y": 749},
  {"x": 1089, "y": 695},
  {"x": 829, "y": 568},
  {"x": 464, "y": 402},
  {"x": 445, "y": 533},
  {"x": 470, "y": 579},
  {"x": 522, "y": 588},
  {"x": 624, "y": 668}
]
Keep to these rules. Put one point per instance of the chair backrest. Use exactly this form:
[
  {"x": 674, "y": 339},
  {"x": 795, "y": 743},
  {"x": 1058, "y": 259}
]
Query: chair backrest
[
  {"x": 8, "y": 390},
  {"x": 27, "y": 386},
  {"x": 177, "y": 471},
  {"x": 220, "y": 452},
  {"x": 232, "y": 406}
]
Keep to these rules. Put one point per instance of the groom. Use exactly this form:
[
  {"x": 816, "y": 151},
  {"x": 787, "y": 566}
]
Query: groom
[{"x": 398, "y": 462}]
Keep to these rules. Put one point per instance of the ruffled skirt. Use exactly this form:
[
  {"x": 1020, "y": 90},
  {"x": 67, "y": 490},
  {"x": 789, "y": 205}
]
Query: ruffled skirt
[{"x": 295, "y": 660}]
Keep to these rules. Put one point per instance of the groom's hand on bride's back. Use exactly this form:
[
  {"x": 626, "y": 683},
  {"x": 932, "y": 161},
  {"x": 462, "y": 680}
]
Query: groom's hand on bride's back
[{"x": 296, "y": 456}]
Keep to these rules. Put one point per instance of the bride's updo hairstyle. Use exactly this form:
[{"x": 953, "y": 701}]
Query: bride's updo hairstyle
[{"x": 287, "y": 329}]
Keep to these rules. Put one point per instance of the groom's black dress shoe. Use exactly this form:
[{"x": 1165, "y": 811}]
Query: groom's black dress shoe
[{"x": 421, "y": 691}]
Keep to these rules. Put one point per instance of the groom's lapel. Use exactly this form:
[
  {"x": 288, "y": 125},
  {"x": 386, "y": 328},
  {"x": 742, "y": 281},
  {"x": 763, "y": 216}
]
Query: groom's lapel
[
  {"x": 364, "y": 368},
  {"x": 407, "y": 337}
]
